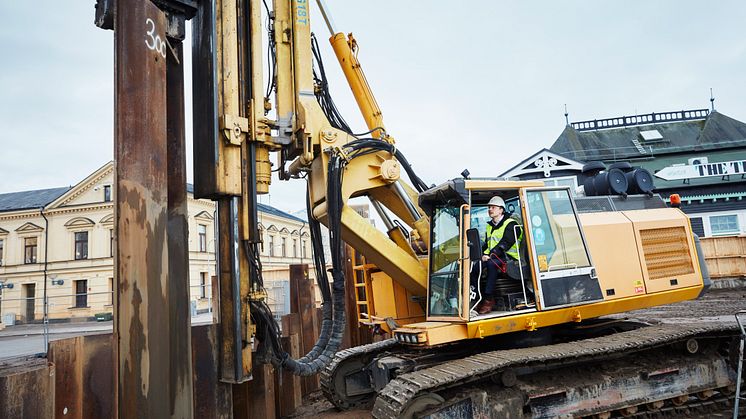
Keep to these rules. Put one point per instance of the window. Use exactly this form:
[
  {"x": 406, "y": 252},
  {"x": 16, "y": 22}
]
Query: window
[
  {"x": 555, "y": 232},
  {"x": 271, "y": 245},
  {"x": 2, "y": 244},
  {"x": 295, "y": 248},
  {"x": 284, "y": 242},
  {"x": 81, "y": 293},
  {"x": 724, "y": 224},
  {"x": 107, "y": 193},
  {"x": 572, "y": 182},
  {"x": 29, "y": 250},
  {"x": 202, "y": 232},
  {"x": 203, "y": 285},
  {"x": 81, "y": 245},
  {"x": 111, "y": 291},
  {"x": 111, "y": 242},
  {"x": 303, "y": 249},
  {"x": 445, "y": 283}
]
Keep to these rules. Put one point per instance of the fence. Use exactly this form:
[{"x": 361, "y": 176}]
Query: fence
[
  {"x": 78, "y": 372},
  {"x": 725, "y": 256}
]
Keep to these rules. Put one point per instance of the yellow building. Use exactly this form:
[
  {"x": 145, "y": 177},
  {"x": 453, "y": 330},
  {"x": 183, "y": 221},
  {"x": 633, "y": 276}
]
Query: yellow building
[{"x": 67, "y": 235}]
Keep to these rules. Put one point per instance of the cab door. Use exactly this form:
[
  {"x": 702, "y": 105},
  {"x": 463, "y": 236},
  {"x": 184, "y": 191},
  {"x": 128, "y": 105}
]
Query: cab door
[{"x": 561, "y": 261}]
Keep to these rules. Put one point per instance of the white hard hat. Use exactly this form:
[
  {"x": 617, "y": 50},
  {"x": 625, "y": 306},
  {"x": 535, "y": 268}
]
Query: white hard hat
[{"x": 496, "y": 200}]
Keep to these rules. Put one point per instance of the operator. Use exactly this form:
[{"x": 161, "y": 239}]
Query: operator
[{"x": 500, "y": 243}]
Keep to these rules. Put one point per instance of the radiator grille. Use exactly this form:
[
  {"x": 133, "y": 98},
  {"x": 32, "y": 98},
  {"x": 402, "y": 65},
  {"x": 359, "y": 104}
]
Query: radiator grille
[{"x": 666, "y": 252}]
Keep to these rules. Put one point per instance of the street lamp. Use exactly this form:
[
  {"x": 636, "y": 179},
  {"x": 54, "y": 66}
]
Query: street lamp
[
  {"x": 6, "y": 285},
  {"x": 56, "y": 281}
]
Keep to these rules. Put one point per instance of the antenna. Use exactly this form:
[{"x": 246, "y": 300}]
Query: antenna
[
  {"x": 712, "y": 100},
  {"x": 567, "y": 120}
]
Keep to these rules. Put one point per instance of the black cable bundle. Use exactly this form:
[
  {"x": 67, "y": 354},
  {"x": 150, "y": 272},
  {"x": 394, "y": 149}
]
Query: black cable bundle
[
  {"x": 371, "y": 145},
  {"x": 322, "y": 92},
  {"x": 271, "y": 52}
]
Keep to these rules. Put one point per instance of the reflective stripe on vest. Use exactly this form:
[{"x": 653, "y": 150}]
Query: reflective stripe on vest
[{"x": 494, "y": 235}]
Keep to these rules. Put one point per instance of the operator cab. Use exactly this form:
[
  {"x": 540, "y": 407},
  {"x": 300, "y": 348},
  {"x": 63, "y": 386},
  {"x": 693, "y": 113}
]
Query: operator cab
[{"x": 553, "y": 269}]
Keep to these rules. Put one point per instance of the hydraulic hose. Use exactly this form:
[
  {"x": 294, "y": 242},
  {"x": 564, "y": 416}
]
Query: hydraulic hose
[{"x": 333, "y": 306}]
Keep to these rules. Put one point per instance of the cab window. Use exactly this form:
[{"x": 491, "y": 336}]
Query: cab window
[{"x": 445, "y": 284}]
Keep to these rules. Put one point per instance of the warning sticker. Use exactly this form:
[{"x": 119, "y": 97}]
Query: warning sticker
[{"x": 639, "y": 289}]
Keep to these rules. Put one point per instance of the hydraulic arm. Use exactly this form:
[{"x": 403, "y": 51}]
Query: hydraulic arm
[{"x": 236, "y": 128}]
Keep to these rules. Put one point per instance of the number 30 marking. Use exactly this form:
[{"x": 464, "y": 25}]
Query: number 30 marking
[{"x": 155, "y": 43}]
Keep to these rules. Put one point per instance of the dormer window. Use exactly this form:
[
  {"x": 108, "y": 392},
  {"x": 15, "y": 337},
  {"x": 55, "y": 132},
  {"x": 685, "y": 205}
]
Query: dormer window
[{"x": 107, "y": 193}]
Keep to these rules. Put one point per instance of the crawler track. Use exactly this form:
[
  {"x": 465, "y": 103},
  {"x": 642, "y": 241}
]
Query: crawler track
[
  {"x": 395, "y": 399},
  {"x": 358, "y": 355}
]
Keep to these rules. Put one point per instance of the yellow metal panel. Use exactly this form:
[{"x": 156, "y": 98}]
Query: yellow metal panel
[
  {"x": 438, "y": 333},
  {"x": 383, "y": 295},
  {"x": 618, "y": 264},
  {"x": 392, "y": 300},
  {"x": 541, "y": 319},
  {"x": 667, "y": 252}
]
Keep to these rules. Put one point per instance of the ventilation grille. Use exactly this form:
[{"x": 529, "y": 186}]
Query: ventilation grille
[{"x": 666, "y": 252}]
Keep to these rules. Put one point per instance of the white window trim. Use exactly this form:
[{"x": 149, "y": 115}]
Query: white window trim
[
  {"x": 706, "y": 221},
  {"x": 739, "y": 223}
]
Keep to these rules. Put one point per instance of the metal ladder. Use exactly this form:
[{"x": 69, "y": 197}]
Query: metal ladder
[
  {"x": 363, "y": 291},
  {"x": 739, "y": 316}
]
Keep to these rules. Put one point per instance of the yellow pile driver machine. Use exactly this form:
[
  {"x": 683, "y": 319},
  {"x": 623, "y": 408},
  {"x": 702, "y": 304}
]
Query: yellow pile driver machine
[{"x": 580, "y": 258}]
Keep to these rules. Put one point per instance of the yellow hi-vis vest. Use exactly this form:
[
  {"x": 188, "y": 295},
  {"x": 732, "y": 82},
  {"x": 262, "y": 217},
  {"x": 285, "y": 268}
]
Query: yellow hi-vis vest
[{"x": 494, "y": 235}]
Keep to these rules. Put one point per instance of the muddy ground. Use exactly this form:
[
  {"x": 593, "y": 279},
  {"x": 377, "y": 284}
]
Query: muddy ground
[{"x": 718, "y": 305}]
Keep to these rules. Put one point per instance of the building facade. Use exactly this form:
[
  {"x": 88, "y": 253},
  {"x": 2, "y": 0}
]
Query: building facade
[
  {"x": 67, "y": 235},
  {"x": 699, "y": 154}
]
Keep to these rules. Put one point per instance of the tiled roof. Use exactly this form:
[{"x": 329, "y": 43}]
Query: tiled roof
[
  {"x": 717, "y": 131},
  {"x": 16, "y": 201}
]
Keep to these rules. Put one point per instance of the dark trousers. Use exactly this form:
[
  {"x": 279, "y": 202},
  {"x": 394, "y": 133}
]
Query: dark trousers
[{"x": 493, "y": 272}]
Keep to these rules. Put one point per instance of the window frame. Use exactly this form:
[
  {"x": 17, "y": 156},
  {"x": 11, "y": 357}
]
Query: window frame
[
  {"x": 86, "y": 244},
  {"x": 2, "y": 250},
  {"x": 556, "y": 184},
  {"x": 107, "y": 193},
  {"x": 26, "y": 248},
  {"x": 80, "y": 297},
  {"x": 203, "y": 285},
  {"x": 202, "y": 238},
  {"x": 724, "y": 232}
]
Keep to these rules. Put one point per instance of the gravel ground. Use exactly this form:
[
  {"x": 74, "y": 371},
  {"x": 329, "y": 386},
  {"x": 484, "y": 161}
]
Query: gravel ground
[{"x": 718, "y": 305}]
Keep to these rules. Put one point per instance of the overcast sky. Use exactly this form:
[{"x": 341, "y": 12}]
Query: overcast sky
[{"x": 473, "y": 84}]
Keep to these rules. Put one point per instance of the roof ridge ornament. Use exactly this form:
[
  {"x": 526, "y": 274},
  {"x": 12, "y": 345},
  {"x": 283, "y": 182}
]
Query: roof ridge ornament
[{"x": 712, "y": 101}]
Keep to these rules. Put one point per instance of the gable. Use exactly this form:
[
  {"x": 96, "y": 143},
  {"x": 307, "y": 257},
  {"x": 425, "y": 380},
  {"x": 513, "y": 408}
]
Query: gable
[
  {"x": 90, "y": 190},
  {"x": 108, "y": 220},
  {"x": 29, "y": 228},
  {"x": 543, "y": 164},
  {"x": 204, "y": 215},
  {"x": 3, "y": 233}
]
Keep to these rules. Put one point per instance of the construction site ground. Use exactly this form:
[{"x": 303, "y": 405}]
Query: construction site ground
[{"x": 718, "y": 305}]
